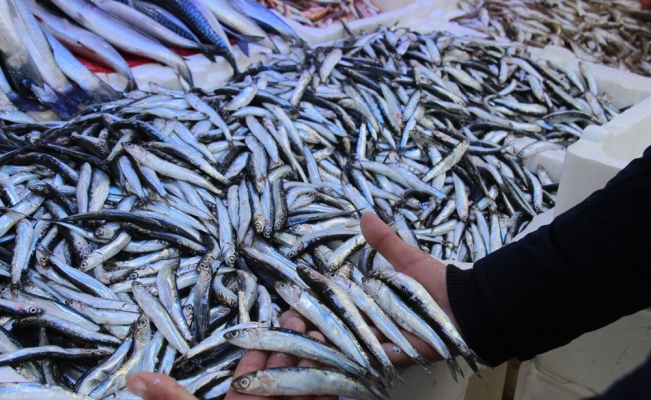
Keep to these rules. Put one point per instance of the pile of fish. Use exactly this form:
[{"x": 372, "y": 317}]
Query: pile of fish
[
  {"x": 614, "y": 33},
  {"x": 38, "y": 40},
  {"x": 323, "y": 13},
  {"x": 201, "y": 216}
]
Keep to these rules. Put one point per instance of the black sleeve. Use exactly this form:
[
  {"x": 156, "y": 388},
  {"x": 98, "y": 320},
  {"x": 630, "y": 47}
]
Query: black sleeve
[{"x": 586, "y": 269}]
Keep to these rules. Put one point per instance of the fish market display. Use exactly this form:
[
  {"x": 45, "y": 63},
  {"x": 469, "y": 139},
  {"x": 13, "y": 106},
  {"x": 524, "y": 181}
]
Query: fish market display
[
  {"x": 167, "y": 231},
  {"x": 323, "y": 13},
  {"x": 39, "y": 40},
  {"x": 614, "y": 33}
]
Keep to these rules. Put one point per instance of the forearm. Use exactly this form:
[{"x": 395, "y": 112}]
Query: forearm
[{"x": 585, "y": 270}]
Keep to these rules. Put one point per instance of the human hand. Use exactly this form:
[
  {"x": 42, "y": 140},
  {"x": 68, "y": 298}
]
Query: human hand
[
  {"x": 254, "y": 360},
  {"x": 151, "y": 386},
  {"x": 406, "y": 259},
  {"x": 417, "y": 264},
  {"x": 645, "y": 4}
]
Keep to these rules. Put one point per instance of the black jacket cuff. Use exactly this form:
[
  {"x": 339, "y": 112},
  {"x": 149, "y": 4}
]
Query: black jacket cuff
[{"x": 472, "y": 314}]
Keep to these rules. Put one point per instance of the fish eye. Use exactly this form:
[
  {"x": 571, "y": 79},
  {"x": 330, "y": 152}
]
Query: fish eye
[
  {"x": 142, "y": 322},
  {"x": 128, "y": 144},
  {"x": 84, "y": 265},
  {"x": 283, "y": 285},
  {"x": 332, "y": 275},
  {"x": 245, "y": 382},
  {"x": 32, "y": 310},
  {"x": 235, "y": 334}
]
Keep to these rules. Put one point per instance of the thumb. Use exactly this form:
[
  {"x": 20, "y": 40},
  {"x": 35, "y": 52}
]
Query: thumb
[
  {"x": 152, "y": 386},
  {"x": 402, "y": 256}
]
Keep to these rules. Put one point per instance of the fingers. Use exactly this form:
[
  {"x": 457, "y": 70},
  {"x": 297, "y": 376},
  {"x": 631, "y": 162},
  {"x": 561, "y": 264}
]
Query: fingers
[
  {"x": 398, "y": 357},
  {"x": 402, "y": 256},
  {"x": 252, "y": 360},
  {"x": 305, "y": 363},
  {"x": 294, "y": 314},
  {"x": 152, "y": 386},
  {"x": 277, "y": 360}
]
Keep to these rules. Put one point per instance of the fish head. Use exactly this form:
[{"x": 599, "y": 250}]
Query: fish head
[
  {"x": 142, "y": 329},
  {"x": 288, "y": 291},
  {"x": 339, "y": 280},
  {"x": 242, "y": 336},
  {"x": 296, "y": 249},
  {"x": 188, "y": 313},
  {"x": 244, "y": 382},
  {"x": 301, "y": 229},
  {"x": 308, "y": 274},
  {"x": 95, "y": 352},
  {"x": 31, "y": 310},
  {"x": 93, "y": 260},
  {"x": 229, "y": 255},
  {"x": 75, "y": 305},
  {"x": 39, "y": 188},
  {"x": 376, "y": 274},
  {"x": 372, "y": 286},
  {"x": 135, "y": 151}
]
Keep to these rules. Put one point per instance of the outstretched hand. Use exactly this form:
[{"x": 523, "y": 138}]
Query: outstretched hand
[
  {"x": 406, "y": 259},
  {"x": 419, "y": 265}
]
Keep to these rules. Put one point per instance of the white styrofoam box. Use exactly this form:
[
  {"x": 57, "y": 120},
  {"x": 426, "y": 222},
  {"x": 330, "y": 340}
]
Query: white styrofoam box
[
  {"x": 589, "y": 364},
  {"x": 419, "y": 385},
  {"x": 533, "y": 385},
  {"x": 205, "y": 73},
  {"x": 602, "y": 152},
  {"x": 8, "y": 375},
  {"x": 395, "y": 12}
]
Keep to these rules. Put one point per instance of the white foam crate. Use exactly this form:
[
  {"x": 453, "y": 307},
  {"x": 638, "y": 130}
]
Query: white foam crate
[
  {"x": 589, "y": 364},
  {"x": 402, "y": 13},
  {"x": 205, "y": 73},
  {"x": 602, "y": 152}
]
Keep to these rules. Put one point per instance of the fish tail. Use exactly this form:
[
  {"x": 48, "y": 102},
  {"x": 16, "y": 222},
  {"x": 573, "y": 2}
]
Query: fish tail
[
  {"x": 426, "y": 365},
  {"x": 25, "y": 103},
  {"x": 104, "y": 93},
  {"x": 73, "y": 95},
  {"x": 184, "y": 72},
  {"x": 208, "y": 51},
  {"x": 51, "y": 100},
  {"x": 131, "y": 84},
  {"x": 472, "y": 361},
  {"x": 231, "y": 61},
  {"x": 455, "y": 369}
]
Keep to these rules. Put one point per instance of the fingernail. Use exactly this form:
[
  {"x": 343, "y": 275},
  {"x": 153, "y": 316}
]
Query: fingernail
[{"x": 138, "y": 387}]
